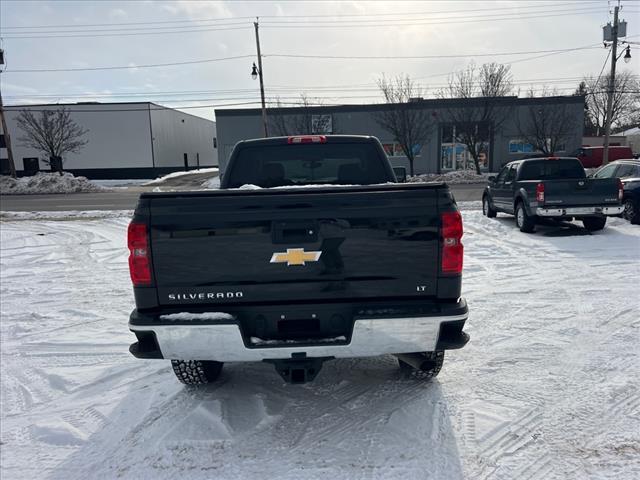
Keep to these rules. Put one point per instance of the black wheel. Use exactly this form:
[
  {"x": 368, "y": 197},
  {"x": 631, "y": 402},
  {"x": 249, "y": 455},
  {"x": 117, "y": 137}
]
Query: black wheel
[
  {"x": 436, "y": 358},
  {"x": 631, "y": 211},
  {"x": 524, "y": 221},
  {"x": 196, "y": 372},
  {"x": 487, "y": 210},
  {"x": 593, "y": 224}
]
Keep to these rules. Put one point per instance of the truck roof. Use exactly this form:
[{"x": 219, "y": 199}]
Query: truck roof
[
  {"x": 321, "y": 139},
  {"x": 549, "y": 158}
]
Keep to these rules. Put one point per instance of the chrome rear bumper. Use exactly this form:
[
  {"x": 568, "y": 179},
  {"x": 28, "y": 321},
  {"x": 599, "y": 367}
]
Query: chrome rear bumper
[
  {"x": 570, "y": 211},
  {"x": 370, "y": 337}
]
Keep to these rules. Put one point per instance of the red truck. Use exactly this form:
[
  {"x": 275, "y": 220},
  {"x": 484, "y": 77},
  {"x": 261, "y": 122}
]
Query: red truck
[{"x": 591, "y": 157}]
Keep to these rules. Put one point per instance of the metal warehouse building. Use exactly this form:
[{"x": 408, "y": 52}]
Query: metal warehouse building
[
  {"x": 125, "y": 140},
  {"x": 442, "y": 153}
]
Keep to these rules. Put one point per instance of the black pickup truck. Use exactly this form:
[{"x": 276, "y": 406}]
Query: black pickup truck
[
  {"x": 310, "y": 251},
  {"x": 551, "y": 188}
]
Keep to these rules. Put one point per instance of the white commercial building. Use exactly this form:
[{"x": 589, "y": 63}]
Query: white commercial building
[{"x": 124, "y": 140}]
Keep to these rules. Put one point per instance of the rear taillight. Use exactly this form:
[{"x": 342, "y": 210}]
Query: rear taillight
[
  {"x": 139, "y": 259},
  {"x": 540, "y": 192},
  {"x": 452, "y": 249},
  {"x": 307, "y": 139},
  {"x": 620, "y": 190}
]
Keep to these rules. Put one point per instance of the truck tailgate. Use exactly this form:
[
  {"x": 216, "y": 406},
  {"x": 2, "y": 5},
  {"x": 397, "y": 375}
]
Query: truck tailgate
[
  {"x": 270, "y": 246},
  {"x": 581, "y": 192}
]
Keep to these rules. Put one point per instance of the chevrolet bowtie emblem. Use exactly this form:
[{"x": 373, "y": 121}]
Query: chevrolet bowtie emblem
[{"x": 295, "y": 256}]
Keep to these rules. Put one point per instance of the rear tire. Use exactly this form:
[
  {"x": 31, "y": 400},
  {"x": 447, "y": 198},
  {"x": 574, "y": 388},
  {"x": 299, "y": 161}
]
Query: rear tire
[
  {"x": 593, "y": 224},
  {"x": 487, "y": 210},
  {"x": 631, "y": 211},
  {"x": 196, "y": 372},
  {"x": 525, "y": 223},
  {"x": 437, "y": 359}
]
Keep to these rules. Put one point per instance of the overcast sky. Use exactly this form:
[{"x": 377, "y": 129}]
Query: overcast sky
[{"x": 93, "y": 34}]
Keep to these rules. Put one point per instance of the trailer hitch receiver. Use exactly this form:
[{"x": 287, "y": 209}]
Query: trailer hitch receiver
[{"x": 298, "y": 369}]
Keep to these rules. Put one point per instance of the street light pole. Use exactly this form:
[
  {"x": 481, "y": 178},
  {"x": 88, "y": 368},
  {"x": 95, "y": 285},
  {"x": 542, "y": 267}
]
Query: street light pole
[
  {"x": 264, "y": 108},
  {"x": 612, "y": 83}
]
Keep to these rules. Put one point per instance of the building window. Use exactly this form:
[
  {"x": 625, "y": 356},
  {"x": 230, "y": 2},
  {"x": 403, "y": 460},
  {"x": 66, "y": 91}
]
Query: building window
[
  {"x": 519, "y": 146},
  {"x": 454, "y": 155},
  {"x": 4, "y": 166},
  {"x": 215, "y": 142},
  {"x": 394, "y": 149}
]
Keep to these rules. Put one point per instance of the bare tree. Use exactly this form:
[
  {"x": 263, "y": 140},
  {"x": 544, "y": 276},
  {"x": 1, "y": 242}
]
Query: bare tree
[
  {"x": 547, "y": 125},
  {"x": 405, "y": 119},
  {"x": 588, "y": 127},
  {"x": 626, "y": 100},
  {"x": 294, "y": 124},
  {"x": 481, "y": 114},
  {"x": 53, "y": 133}
]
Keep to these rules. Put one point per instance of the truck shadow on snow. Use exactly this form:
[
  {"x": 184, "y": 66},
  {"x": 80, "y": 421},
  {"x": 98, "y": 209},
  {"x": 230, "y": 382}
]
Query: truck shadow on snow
[
  {"x": 553, "y": 228},
  {"x": 360, "y": 417}
]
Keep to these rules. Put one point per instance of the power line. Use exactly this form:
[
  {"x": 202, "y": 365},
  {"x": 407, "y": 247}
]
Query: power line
[
  {"x": 491, "y": 16},
  {"x": 140, "y": 29},
  {"x": 74, "y": 107},
  {"x": 383, "y": 25},
  {"x": 125, "y": 34},
  {"x": 300, "y": 56},
  {"x": 225, "y": 19},
  {"x": 299, "y": 24},
  {"x": 420, "y": 57},
  {"x": 202, "y": 23},
  {"x": 123, "y": 67},
  {"x": 285, "y": 89}
]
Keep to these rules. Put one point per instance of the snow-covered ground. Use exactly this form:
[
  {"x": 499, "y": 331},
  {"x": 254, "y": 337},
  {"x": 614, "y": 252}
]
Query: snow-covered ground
[
  {"x": 547, "y": 387},
  {"x": 46, "y": 183}
]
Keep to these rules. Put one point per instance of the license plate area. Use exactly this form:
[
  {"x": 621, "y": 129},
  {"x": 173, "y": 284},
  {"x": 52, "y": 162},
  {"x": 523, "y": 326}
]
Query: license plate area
[
  {"x": 299, "y": 327},
  {"x": 580, "y": 210}
]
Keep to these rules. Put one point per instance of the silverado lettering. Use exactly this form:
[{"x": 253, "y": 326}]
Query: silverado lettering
[{"x": 203, "y": 295}]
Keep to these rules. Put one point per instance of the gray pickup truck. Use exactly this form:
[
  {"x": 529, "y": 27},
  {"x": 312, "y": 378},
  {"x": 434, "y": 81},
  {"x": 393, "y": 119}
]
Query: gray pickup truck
[{"x": 553, "y": 188}]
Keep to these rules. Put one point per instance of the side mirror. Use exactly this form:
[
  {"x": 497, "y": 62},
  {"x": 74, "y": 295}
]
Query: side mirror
[
  {"x": 491, "y": 179},
  {"x": 400, "y": 173}
]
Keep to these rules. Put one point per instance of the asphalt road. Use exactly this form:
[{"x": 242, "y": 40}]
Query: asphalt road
[{"x": 126, "y": 199}]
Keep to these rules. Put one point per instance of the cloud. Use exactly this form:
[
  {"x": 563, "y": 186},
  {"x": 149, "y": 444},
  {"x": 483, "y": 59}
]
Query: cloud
[
  {"x": 197, "y": 10},
  {"x": 118, "y": 14}
]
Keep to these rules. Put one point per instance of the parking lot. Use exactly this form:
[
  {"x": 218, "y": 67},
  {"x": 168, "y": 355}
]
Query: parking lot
[{"x": 547, "y": 387}]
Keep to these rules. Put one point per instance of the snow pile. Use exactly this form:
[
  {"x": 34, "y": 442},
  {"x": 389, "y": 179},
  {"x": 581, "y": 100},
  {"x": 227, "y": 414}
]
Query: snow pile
[
  {"x": 159, "y": 180},
  {"x": 186, "y": 316},
  {"x": 45, "y": 183},
  {"x": 121, "y": 183},
  {"x": 212, "y": 183},
  {"x": 452, "y": 178},
  {"x": 66, "y": 215}
]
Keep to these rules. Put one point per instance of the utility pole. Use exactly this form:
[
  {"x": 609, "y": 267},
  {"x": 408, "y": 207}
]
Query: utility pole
[
  {"x": 5, "y": 130},
  {"x": 612, "y": 86},
  {"x": 264, "y": 108}
]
